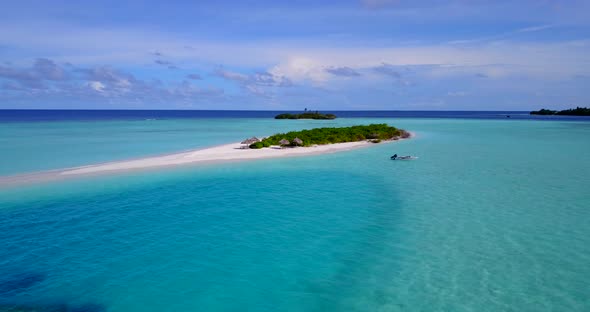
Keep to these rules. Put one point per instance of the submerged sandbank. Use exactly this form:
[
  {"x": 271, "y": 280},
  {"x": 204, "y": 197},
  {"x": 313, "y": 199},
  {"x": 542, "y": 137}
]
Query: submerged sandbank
[{"x": 217, "y": 154}]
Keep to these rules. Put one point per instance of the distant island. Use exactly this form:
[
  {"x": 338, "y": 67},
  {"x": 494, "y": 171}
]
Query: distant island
[
  {"x": 321, "y": 136},
  {"x": 578, "y": 111},
  {"x": 306, "y": 115}
]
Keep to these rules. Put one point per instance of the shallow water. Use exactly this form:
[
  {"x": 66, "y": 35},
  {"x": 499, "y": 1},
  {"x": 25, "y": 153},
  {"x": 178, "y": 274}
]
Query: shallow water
[{"x": 493, "y": 216}]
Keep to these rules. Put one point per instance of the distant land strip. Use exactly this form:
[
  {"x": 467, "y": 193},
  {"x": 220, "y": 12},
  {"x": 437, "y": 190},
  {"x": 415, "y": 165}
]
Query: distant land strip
[
  {"x": 306, "y": 115},
  {"x": 578, "y": 111}
]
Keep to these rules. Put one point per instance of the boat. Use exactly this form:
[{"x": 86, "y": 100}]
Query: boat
[{"x": 403, "y": 157}]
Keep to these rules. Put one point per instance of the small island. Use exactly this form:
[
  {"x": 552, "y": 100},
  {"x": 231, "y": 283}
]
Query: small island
[
  {"x": 321, "y": 136},
  {"x": 319, "y": 140},
  {"x": 578, "y": 111},
  {"x": 306, "y": 115}
]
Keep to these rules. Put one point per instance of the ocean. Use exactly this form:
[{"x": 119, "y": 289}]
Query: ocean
[{"x": 493, "y": 216}]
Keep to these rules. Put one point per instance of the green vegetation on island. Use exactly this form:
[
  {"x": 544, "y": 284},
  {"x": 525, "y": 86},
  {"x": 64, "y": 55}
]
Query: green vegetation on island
[
  {"x": 306, "y": 115},
  {"x": 578, "y": 111},
  {"x": 320, "y": 136}
]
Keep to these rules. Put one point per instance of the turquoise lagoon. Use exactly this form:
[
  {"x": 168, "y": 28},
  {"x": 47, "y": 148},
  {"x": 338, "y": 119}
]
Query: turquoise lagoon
[{"x": 493, "y": 216}]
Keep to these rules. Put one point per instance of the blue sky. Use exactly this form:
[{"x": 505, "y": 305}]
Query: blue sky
[{"x": 346, "y": 55}]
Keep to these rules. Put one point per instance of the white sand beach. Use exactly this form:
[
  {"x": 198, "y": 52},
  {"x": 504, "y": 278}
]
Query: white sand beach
[
  {"x": 222, "y": 153},
  {"x": 217, "y": 154}
]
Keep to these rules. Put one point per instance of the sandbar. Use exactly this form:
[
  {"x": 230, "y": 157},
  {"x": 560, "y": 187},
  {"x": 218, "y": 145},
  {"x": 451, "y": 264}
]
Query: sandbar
[{"x": 217, "y": 154}]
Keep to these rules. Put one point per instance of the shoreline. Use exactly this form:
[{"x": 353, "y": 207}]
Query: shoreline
[{"x": 217, "y": 154}]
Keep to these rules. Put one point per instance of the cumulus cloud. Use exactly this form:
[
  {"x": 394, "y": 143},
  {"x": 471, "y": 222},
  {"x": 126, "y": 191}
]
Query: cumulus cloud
[
  {"x": 35, "y": 77},
  {"x": 402, "y": 75},
  {"x": 47, "y": 78},
  {"x": 302, "y": 69},
  {"x": 269, "y": 80},
  {"x": 21, "y": 77},
  {"x": 111, "y": 80},
  {"x": 48, "y": 69},
  {"x": 343, "y": 71},
  {"x": 229, "y": 75},
  {"x": 96, "y": 86},
  {"x": 312, "y": 57},
  {"x": 294, "y": 59}
]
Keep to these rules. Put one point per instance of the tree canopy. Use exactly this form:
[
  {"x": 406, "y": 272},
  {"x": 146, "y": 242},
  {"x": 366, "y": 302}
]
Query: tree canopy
[
  {"x": 322, "y": 136},
  {"x": 578, "y": 111},
  {"x": 306, "y": 115}
]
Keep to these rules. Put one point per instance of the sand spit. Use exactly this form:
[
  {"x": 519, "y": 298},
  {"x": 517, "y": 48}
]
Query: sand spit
[{"x": 217, "y": 154}]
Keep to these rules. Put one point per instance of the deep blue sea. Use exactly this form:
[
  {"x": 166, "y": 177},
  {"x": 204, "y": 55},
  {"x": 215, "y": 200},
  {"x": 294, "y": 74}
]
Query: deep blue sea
[
  {"x": 493, "y": 216},
  {"x": 24, "y": 115}
]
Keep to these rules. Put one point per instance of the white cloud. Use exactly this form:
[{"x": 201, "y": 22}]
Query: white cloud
[
  {"x": 301, "y": 69},
  {"x": 231, "y": 75},
  {"x": 96, "y": 86},
  {"x": 296, "y": 60},
  {"x": 535, "y": 28}
]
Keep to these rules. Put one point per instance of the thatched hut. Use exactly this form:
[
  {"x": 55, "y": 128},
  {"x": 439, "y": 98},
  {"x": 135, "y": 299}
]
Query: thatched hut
[
  {"x": 297, "y": 141},
  {"x": 284, "y": 142},
  {"x": 249, "y": 141}
]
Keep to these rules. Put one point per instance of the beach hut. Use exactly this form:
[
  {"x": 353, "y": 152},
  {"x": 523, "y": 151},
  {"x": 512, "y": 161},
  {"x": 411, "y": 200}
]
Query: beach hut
[
  {"x": 298, "y": 141},
  {"x": 249, "y": 141},
  {"x": 284, "y": 142}
]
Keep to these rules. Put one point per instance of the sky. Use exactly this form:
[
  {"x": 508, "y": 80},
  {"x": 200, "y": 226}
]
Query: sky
[{"x": 291, "y": 55}]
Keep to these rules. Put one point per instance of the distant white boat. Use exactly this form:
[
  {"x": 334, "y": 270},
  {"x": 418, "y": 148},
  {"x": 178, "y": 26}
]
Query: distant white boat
[{"x": 395, "y": 157}]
